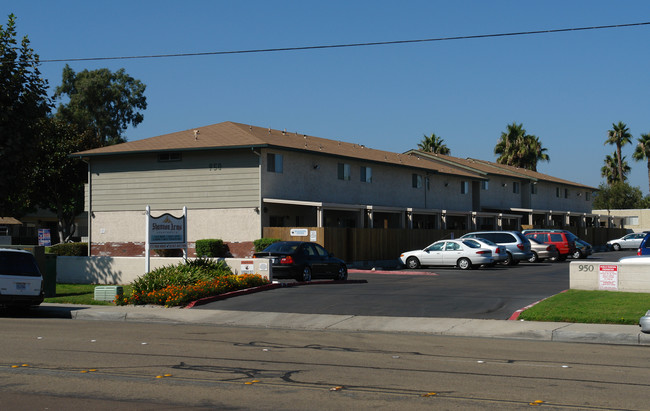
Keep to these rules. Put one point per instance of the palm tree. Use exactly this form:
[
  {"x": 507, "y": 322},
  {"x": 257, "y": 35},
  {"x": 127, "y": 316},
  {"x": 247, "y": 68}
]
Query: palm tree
[
  {"x": 434, "y": 144},
  {"x": 518, "y": 149},
  {"x": 619, "y": 136},
  {"x": 642, "y": 151},
  {"x": 610, "y": 169}
]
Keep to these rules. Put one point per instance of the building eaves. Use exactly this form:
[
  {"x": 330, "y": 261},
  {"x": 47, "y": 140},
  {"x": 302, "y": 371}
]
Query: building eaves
[{"x": 230, "y": 135}]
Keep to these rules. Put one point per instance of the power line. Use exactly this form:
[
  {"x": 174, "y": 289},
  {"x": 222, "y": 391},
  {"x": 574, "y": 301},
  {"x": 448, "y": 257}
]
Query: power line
[{"x": 333, "y": 46}]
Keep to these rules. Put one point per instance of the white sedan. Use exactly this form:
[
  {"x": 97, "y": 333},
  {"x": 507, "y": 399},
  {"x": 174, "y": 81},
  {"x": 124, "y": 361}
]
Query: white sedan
[
  {"x": 499, "y": 253},
  {"x": 462, "y": 253}
]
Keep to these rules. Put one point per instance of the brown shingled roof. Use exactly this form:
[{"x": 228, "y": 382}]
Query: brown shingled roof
[
  {"x": 484, "y": 167},
  {"x": 236, "y": 135}
]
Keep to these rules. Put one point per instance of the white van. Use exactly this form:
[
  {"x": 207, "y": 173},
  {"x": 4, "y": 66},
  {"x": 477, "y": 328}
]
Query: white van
[{"x": 21, "y": 282}]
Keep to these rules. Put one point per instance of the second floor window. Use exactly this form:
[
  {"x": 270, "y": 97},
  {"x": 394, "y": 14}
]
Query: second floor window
[
  {"x": 274, "y": 163},
  {"x": 464, "y": 187},
  {"x": 417, "y": 181},
  {"x": 365, "y": 174},
  {"x": 343, "y": 171},
  {"x": 515, "y": 187}
]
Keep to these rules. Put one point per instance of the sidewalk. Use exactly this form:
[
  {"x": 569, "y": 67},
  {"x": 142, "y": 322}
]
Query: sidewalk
[{"x": 457, "y": 327}]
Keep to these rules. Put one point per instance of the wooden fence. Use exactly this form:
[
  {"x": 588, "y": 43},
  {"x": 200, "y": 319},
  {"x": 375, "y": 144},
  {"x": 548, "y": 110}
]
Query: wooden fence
[{"x": 371, "y": 244}]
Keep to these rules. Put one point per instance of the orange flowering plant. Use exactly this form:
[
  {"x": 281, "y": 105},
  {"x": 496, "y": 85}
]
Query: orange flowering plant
[{"x": 189, "y": 281}]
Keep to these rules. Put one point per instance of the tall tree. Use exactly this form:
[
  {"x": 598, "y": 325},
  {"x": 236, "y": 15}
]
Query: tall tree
[
  {"x": 517, "y": 148},
  {"x": 105, "y": 102},
  {"x": 23, "y": 104},
  {"x": 610, "y": 169},
  {"x": 619, "y": 136},
  {"x": 58, "y": 178},
  {"x": 434, "y": 144},
  {"x": 642, "y": 151},
  {"x": 618, "y": 196}
]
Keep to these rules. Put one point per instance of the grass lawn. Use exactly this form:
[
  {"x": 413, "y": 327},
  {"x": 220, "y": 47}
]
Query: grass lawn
[
  {"x": 596, "y": 307},
  {"x": 79, "y": 294}
]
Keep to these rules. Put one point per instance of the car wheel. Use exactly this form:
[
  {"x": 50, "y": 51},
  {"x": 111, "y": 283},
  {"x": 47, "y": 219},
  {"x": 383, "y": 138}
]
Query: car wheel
[
  {"x": 534, "y": 258},
  {"x": 616, "y": 247},
  {"x": 413, "y": 262},
  {"x": 508, "y": 261},
  {"x": 342, "y": 274},
  {"x": 464, "y": 264},
  {"x": 577, "y": 254},
  {"x": 306, "y": 274}
]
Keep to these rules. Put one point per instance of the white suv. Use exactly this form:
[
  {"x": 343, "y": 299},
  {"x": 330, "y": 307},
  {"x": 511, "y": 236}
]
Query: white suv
[{"x": 21, "y": 282}]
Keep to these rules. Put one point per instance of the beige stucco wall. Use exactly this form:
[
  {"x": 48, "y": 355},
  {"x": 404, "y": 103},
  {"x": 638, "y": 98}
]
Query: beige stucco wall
[
  {"x": 308, "y": 177},
  {"x": 642, "y": 214},
  {"x": 231, "y": 225},
  {"x": 123, "y": 270},
  {"x": 631, "y": 278}
]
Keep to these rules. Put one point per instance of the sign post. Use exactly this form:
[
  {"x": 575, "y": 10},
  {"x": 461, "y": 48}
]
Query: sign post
[{"x": 165, "y": 232}]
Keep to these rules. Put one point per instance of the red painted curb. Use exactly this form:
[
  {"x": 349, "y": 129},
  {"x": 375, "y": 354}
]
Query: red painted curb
[
  {"x": 273, "y": 286},
  {"x": 516, "y": 314}
]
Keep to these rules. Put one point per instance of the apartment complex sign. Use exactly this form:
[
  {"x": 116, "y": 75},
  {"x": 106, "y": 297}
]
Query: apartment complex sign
[{"x": 165, "y": 232}]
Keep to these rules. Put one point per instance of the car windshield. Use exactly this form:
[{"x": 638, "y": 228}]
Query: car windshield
[
  {"x": 282, "y": 247},
  {"x": 12, "y": 263}
]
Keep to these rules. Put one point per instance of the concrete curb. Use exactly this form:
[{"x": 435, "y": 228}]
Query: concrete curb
[{"x": 457, "y": 327}]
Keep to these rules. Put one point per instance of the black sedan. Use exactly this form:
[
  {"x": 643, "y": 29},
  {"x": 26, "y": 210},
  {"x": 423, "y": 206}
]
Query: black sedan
[{"x": 303, "y": 261}]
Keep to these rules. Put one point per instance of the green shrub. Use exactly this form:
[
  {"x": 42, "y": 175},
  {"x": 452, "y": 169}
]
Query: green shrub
[
  {"x": 185, "y": 273},
  {"x": 214, "y": 248},
  {"x": 262, "y": 243},
  {"x": 70, "y": 249}
]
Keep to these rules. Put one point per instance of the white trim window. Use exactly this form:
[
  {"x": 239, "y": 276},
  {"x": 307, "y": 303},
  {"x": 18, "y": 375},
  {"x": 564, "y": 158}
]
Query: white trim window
[{"x": 464, "y": 187}]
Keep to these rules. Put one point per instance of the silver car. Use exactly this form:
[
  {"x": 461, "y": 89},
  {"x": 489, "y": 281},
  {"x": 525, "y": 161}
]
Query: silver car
[
  {"x": 517, "y": 246},
  {"x": 632, "y": 240},
  {"x": 464, "y": 255},
  {"x": 542, "y": 251}
]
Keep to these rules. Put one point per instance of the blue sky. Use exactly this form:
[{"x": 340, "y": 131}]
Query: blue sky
[{"x": 566, "y": 88}]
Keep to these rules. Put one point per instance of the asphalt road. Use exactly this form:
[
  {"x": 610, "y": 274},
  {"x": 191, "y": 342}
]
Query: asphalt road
[
  {"x": 59, "y": 364},
  {"x": 487, "y": 293}
]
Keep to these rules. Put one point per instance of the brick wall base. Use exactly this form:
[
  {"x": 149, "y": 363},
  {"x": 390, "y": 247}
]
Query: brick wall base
[{"x": 117, "y": 249}]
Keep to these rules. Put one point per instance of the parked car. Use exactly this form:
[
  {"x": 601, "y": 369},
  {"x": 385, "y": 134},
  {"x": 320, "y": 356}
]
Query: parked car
[
  {"x": 517, "y": 246},
  {"x": 303, "y": 261},
  {"x": 632, "y": 240},
  {"x": 499, "y": 253},
  {"x": 635, "y": 260},
  {"x": 466, "y": 255},
  {"x": 21, "y": 282},
  {"x": 561, "y": 239},
  {"x": 644, "y": 247},
  {"x": 583, "y": 249},
  {"x": 542, "y": 251}
]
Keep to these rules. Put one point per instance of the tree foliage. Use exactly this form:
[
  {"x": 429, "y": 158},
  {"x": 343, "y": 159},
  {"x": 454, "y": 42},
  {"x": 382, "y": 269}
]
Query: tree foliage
[
  {"x": 102, "y": 101},
  {"x": 23, "y": 105},
  {"x": 642, "y": 151},
  {"x": 617, "y": 196},
  {"x": 619, "y": 136},
  {"x": 518, "y": 149},
  {"x": 58, "y": 178},
  {"x": 434, "y": 144}
]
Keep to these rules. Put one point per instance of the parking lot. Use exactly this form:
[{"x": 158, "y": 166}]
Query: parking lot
[{"x": 487, "y": 293}]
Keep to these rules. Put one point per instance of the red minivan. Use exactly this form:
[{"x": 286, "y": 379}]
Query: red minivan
[{"x": 563, "y": 241}]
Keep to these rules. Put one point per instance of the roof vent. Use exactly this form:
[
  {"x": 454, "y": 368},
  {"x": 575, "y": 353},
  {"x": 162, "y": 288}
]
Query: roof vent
[
  {"x": 269, "y": 130},
  {"x": 196, "y": 134},
  {"x": 284, "y": 132}
]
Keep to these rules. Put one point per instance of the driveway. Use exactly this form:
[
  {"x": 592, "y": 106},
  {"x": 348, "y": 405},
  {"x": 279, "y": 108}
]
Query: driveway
[{"x": 492, "y": 293}]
